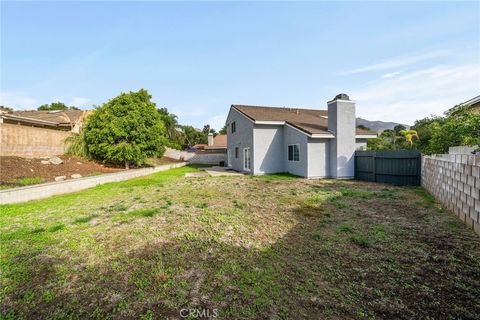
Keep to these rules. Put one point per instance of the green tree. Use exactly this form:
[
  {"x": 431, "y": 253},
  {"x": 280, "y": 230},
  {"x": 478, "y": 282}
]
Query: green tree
[
  {"x": 425, "y": 128},
  {"x": 398, "y": 129},
  {"x": 193, "y": 136},
  {"x": 127, "y": 129},
  {"x": 458, "y": 129},
  {"x": 56, "y": 106},
  {"x": 173, "y": 132},
  {"x": 223, "y": 130}
]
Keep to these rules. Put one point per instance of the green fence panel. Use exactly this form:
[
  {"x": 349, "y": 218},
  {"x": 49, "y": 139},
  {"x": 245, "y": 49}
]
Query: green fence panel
[{"x": 401, "y": 167}]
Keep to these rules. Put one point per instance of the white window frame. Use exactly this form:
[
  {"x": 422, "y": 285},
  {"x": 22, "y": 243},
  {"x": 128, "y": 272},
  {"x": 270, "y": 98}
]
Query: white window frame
[
  {"x": 249, "y": 158},
  {"x": 288, "y": 147}
]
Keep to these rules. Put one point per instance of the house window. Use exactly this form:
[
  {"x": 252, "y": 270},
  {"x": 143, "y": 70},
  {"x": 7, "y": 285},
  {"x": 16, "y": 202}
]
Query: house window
[
  {"x": 247, "y": 159},
  {"x": 236, "y": 153},
  {"x": 234, "y": 127},
  {"x": 294, "y": 152}
]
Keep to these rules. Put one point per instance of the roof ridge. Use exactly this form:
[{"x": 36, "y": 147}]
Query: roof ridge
[{"x": 279, "y": 108}]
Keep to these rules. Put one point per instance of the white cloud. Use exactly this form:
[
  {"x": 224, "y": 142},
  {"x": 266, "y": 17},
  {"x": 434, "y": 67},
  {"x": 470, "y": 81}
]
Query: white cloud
[
  {"x": 399, "y": 62},
  {"x": 391, "y": 74},
  {"x": 417, "y": 94},
  {"x": 217, "y": 122}
]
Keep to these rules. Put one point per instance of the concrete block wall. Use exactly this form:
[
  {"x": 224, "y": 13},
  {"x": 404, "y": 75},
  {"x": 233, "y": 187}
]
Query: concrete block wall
[
  {"x": 454, "y": 180},
  {"x": 25, "y": 141}
]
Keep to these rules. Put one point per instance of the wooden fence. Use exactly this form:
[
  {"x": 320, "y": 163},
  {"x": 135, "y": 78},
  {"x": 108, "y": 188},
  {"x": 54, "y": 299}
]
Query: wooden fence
[{"x": 402, "y": 167}]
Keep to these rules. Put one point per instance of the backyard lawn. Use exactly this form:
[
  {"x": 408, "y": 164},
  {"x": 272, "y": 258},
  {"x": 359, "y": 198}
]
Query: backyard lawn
[{"x": 236, "y": 248}]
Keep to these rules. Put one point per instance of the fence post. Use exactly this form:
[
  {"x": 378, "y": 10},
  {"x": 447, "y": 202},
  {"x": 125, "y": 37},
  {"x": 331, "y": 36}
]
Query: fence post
[{"x": 374, "y": 157}]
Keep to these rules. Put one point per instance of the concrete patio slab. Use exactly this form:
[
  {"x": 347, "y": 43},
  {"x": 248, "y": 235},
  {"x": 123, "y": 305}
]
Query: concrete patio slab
[{"x": 222, "y": 171}]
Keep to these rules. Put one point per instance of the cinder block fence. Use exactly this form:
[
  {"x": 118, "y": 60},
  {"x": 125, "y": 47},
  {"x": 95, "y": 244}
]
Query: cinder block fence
[{"x": 454, "y": 180}]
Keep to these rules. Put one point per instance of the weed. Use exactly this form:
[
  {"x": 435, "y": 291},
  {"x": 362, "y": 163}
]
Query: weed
[
  {"x": 143, "y": 212},
  {"x": 360, "y": 240},
  {"x": 56, "y": 227},
  {"x": 345, "y": 228},
  {"x": 202, "y": 205},
  {"x": 427, "y": 199},
  {"x": 29, "y": 181},
  {"x": 339, "y": 204},
  {"x": 48, "y": 295},
  {"x": 238, "y": 204},
  {"x": 454, "y": 226},
  {"x": 317, "y": 236},
  {"x": 277, "y": 176},
  {"x": 38, "y": 230},
  {"x": 85, "y": 218}
]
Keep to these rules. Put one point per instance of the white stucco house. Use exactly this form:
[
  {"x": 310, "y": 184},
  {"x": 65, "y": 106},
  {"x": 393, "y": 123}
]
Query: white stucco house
[{"x": 311, "y": 143}]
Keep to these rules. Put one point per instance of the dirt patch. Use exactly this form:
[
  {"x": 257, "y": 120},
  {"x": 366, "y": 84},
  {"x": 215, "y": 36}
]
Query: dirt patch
[{"x": 13, "y": 169}]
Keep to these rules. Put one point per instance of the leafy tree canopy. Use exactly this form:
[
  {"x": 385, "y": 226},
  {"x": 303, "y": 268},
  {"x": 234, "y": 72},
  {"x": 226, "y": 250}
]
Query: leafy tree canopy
[
  {"x": 56, "y": 106},
  {"x": 127, "y": 129}
]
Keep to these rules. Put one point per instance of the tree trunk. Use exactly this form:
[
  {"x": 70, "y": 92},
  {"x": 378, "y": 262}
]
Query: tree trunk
[{"x": 127, "y": 165}]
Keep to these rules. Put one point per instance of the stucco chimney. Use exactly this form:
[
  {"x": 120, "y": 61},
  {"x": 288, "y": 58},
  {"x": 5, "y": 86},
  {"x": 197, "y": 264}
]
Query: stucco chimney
[
  {"x": 341, "y": 123},
  {"x": 210, "y": 139}
]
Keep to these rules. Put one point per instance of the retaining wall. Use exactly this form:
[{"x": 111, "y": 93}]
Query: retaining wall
[
  {"x": 24, "y": 141},
  {"x": 46, "y": 190},
  {"x": 454, "y": 180},
  {"x": 200, "y": 157}
]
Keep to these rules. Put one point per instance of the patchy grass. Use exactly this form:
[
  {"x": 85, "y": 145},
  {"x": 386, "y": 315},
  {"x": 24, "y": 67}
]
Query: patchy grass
[
  {"x": 29, "y": 181},
  {"x": 249, "y": 248},
  {"x": 276, "y": 177}
]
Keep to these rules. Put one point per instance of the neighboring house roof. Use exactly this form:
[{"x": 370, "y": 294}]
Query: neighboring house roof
[
  {"x": 219, "y": 141},
  {"x": 61, "y": 117},
  {"x": 311, "y": 121},
  {"x": 55, "y": 119},
  {"x": 472, "y": 104}
]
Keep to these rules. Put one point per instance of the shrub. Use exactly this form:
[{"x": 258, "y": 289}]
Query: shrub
[{"x": 126, "y": 130}]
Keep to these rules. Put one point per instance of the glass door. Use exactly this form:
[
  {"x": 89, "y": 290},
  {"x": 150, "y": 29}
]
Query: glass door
[{"x": 247, "y": 161}]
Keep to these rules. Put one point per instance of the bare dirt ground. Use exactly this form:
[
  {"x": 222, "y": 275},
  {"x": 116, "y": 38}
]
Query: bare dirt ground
[{"x": 17, "y": 171}]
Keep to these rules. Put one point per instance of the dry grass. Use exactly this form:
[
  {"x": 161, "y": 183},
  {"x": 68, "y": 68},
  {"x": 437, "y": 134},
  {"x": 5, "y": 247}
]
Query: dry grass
[{"x": 266, "y": 247}]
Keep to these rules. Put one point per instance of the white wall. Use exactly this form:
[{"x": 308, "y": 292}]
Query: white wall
[
  {"x": 269, "y": 152},
  {"x": 293, "y": 136},
  {"x": 318, "y": 161},
  {"x": 242, "y": 138}
]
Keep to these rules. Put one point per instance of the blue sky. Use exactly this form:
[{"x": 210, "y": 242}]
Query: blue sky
[{"x": 399, "y": 61}]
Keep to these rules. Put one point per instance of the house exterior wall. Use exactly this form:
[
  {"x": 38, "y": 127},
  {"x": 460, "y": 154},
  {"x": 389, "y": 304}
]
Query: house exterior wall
[
  {"x": 269, "y": 150},
  {"x": 24, "y": 141},
  {"x": 242, "y": 138},
  {"x": 361, "y": 144},
  {"x": 318, "y": 160},
  {"x": 293, "y": 136}
]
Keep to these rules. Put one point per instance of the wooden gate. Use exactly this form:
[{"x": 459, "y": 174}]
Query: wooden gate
[{"x": 402, "y": 167}]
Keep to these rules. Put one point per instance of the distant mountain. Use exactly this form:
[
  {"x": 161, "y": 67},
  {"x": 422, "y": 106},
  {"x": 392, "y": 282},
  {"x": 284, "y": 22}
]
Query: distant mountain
[{"x": 378, "y": 125}]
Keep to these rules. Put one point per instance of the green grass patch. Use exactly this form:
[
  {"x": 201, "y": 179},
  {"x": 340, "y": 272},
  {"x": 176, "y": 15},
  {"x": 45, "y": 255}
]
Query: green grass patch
[
  {"x": 277, "y": 176},
  {"x": 29, "y": 181},
  {"x": 85, "y": 219},
  {"x": 360, "y": 240},
  {"x": 56, "y": 227},
  {"x": 344, "y": 228},
  {"x": 454, "y": 226},
  {"x": 427, "y": 200},
  {"x": 150, "y": 212}
]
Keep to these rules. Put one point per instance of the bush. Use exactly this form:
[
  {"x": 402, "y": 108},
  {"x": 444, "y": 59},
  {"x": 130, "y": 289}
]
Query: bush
[{"x": 126, "y": 130}]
